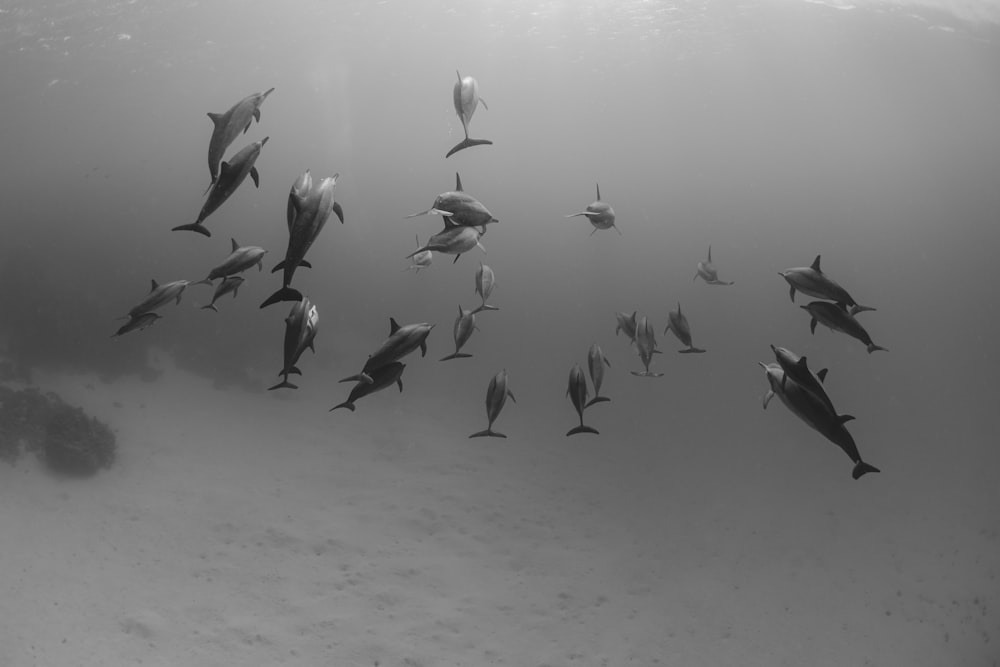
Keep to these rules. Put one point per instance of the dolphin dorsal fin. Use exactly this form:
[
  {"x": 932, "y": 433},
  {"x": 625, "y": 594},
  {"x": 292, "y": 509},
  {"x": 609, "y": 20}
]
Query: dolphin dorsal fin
[
  {"x": 223, "y": 169},
  {"x": 709, "y": 254},
  {"x": 217, "y": 118},
  {"x": 154, "y": 284},
  {"x": 458, "y": 182},
  {"x": 678, "y": 307},
  {"x": 598, "y": 191},
  {"x": 822, "y": 375},
  {"x": 235, "y": 244},
  {"x": 815, "y": 265},
  {"x": 459, "y": 75},
  {"x": 802, "y": 362},
  {"x": 393, "y": 326}
]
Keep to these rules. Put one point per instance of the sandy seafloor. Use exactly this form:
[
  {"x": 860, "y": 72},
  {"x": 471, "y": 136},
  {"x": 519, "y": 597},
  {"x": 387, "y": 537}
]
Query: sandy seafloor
[{"x": 251, "y": 532}]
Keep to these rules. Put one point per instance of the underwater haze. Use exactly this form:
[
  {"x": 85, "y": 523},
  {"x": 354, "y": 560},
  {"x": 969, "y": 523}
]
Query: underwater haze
[{"x": 246, "y": 526}]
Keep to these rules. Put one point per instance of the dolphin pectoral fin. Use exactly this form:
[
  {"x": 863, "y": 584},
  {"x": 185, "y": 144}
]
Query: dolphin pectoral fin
[
  {"x": 593, "y": 231},
  {"x": 872, "y": 347},
  {"x": 278, "y": 267},
  {"x": 414, "y": 215},
  {"x": 345, "y": 404},
  {"x": 767, "y": 398},
  {"x": 573, "y": 215},
  {"x": 441, "y": 212},
  {"x": 488, "y": 432},
  {"x": 352, "y": 378},
  {"x": 193, "y": 227},
  {"x": 246, "y": 127},
  {"x": 399, "y": 381},
  {"x": 858, "y": 308},
  {"x": 456, "y": 258},
  {"x": 255, "y": 176},
  {"x": 692, "y": 350},
  {"x": 339, "y": 211},
  {"x": 456, "y": 355},
  {"x": 791, "y": 292},
  {"x": 582, "y": 428},
  {"x": 615, "y": 227},
  {"x": 862, "y": 468},
  {"x": 812, "y": 326},
  {"x": 423, "y": 348},
  {"x": 283, "y": 294},
  {"x": 256, "y": 115},
  {"x": 466, "y": 143},
  {"x": 294, "y": 370},
  {"x": 597, "y": 399},
  {"x": 843, "y": 419},
  {"x": 304, "y": 263}
]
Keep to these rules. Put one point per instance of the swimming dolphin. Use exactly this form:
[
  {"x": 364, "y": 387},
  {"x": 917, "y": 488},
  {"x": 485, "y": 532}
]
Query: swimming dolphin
[
  {"x": 797, "y": 368},
  {"x": 239, "y": 260},
  {"x": 228, "y": 125},
  {"x": 401, "y": 341},
  {"x": 838, "y": 318},
  {"x": 496, "y": 397},
  {"x": 310, "y": 215},
  {"x": 465, "y": 94},
  {"x": 812, "y": 281},
  {"x": 645, "y": 342},
  {"x": 678, "y": 324},
  {"x": 421, "y": 259},
  {"x": 233, "y": 173},
  {"x": 382, "y": 377},
  {"x": 628, "y": 324},
  {"x": 301, "y": 327},
  {"x": 577, "y": 392},
  {"x": 708, "y": 273},
  {"x": 596, "y": 362},
  {"x": 600, "y": 214},
  {"x": 464, "y": 325},
  {"x": 486, "y": 280},
  {"x": 810, "y": 409},
  {"x": 459, "y": 208},
  {"x": 137, "y": 323},
  {"x": 452, "y": 240},
  {"x": 228, "y": 284},
  {"x": 159, "y": 296}
]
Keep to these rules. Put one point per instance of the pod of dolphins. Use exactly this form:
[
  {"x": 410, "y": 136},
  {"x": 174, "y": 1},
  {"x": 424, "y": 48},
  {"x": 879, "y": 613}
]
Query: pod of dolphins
[{"x": 310, "y": 205}]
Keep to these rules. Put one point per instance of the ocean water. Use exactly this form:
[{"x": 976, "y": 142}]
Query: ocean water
[{"x": 774, "y": 131}]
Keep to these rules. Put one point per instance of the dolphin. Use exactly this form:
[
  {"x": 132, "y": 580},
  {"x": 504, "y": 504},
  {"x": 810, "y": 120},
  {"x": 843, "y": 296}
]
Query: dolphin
[
  {"x": 459, "y": 208},
  {"x": 159, "y": 296},
  {"x": 645, "y": 342},
  {"x": 838, "y": 318},
  {"x": 465, "y": 94},
  {"x": 810, "y": 409},
  {"x": 421, "y": 259},
  {"x": 230, "y": 177},
  {"x": 596, "y": 362},
  {"x": 628, "y": 324},
  {"x": 577, "y": 392},
  {"x": 452, "y": 240},
  {"x": 301, "y": 327},
  {"x": 382, "y": 377},
  {"x": 228, "y": 125},
  {"x": 496, "y": 396},
  {"x": 228, "y": 284},
  {"x": 708, "y": 273},
  {"x": 401, "y": 341},
  {"x": 464, "y": 324},
  {"x": 796, "y": 368},
  {"x": 137, "y": 323},
  {"x": 600, "y": 214},
  {"x": 239, "y": 260},
  {"x": 678, "y": 324},
  {"x": 486, "y": 280},
  {"x": 310, "y": 215},
  {"x": 812, "y": 281}
]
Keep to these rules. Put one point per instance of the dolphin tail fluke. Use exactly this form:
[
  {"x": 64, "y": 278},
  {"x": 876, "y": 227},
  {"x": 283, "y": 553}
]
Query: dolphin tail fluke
[
  {"x": 862, "y": 468},
  {"x": 488, "y": 433},
  {"x": 456, "y": 355},
  {"x": 597, "y": 399},
  {"x": 284, "y": 384},
  {"x": 193, "y": 227},
  {"x": 872, "y": 347},
  {"x": 691, "y": 350},
  {"x": 466, "y": 143},
  {"x": 210, "y": 306},
  {"x": 284, "y": 294},
  {"x": 483, "y": 307},
  {"x": 582, "y": 428},
  {"x": 858, "y": 308},
  {"x": 345, "y": 404}
]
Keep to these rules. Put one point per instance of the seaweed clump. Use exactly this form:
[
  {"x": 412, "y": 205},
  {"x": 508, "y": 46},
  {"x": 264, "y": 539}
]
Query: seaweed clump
[{"x": 65, "y": 438}]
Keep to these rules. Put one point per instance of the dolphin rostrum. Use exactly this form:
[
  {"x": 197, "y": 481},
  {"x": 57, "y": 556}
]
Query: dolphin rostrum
[
  {"x": 814, "y": 412},
  {"x": 458, "y": 207},
  {"x": 645, "y": 342},
  {"x": 382, "y": 377},
  {"x": 228, "y": 125},
  {"x": 301, "y": 327},
  {"x": 401, "y": 341},
  {"x": 466, "y": 97},
  {"x": 232, "y": 174},
  {"x": 838, "y": 318},
  {"x": 486, "y": 280},
  {"x": 577, "y": 392},
  {"x": 596, "y": 362},
  {"x": 708, "y": 273},
  {"x": 812, "y": 281},
  {"x": 600, "y": 214},
  {"x": 239, "y": 260},
  {"x": 496, "y": 397},
  {"x": 228, "y": 284},
  {"x": 678, "y": 324},
  {"x": 464, "y": 325}
]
